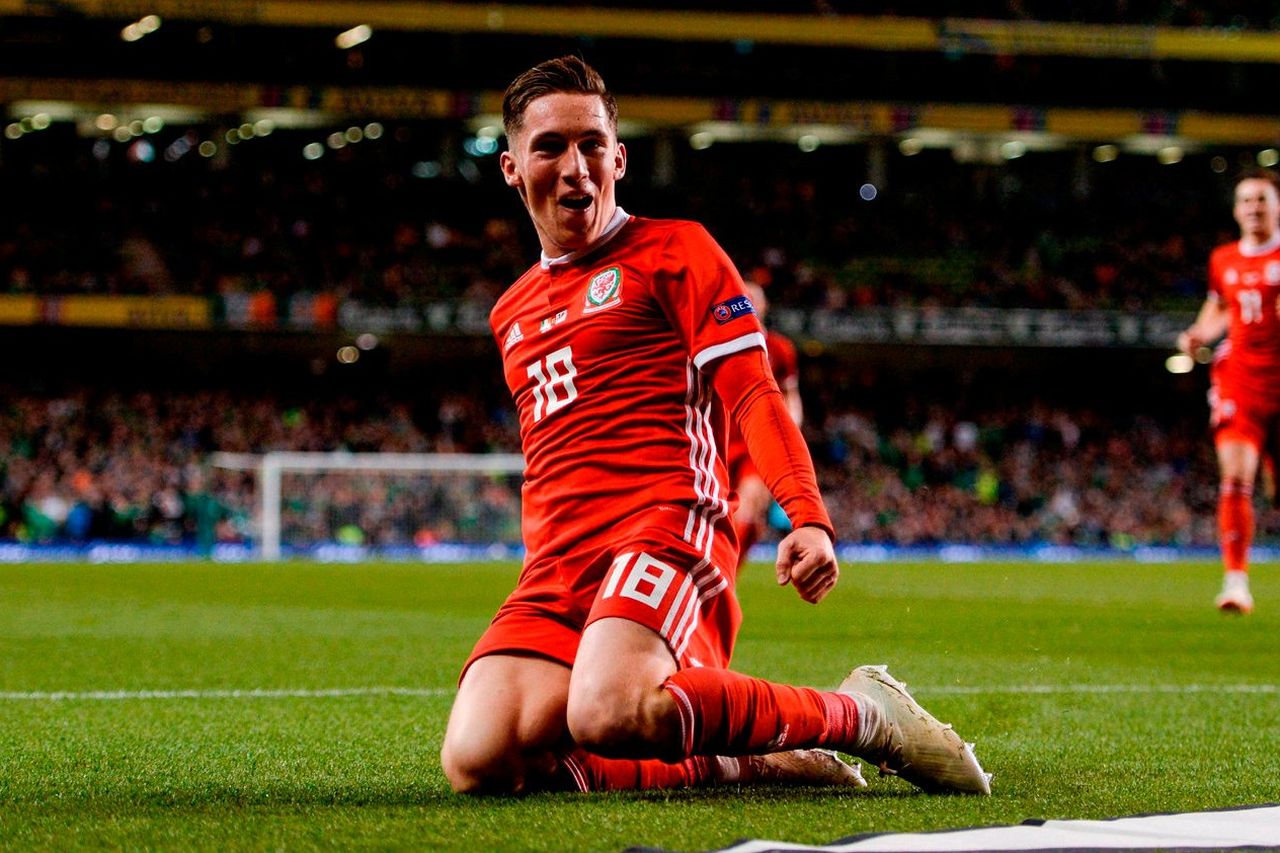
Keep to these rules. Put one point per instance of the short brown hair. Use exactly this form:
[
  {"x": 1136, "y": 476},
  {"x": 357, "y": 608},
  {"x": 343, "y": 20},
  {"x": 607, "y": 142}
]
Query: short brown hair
[
  {"x": 568, "y": 74},
  {"x": 1258, "y": 174}
]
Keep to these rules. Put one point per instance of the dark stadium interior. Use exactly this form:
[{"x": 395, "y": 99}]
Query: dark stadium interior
[
  {"x": 408, "y": 237},
  {"x": 73, "y": 47}
]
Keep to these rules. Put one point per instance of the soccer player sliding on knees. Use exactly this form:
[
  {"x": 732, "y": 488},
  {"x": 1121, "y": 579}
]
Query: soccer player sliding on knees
[{"x": 625, "y": 348}]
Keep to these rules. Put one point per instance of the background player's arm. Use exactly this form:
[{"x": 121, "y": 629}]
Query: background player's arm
[
  {"x": 784, "y": 360},
  {"x": 1210, "y": 325},
  {"x": 791, "y": 392}
]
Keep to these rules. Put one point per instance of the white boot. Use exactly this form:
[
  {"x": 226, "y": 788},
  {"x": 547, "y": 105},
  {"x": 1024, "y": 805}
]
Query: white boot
[
  {"x": 903, "y": 739},
  {"x": 1235, "y": 597}
]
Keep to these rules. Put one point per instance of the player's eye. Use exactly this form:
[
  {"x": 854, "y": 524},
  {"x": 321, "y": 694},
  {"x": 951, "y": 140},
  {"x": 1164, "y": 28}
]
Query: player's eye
[{"x": 548, "y": 145}]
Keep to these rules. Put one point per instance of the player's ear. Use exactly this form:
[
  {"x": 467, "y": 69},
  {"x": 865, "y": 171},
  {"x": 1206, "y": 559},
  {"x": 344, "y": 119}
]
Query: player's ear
[
  {"x": 620, "y": 162},
  {"x": 510, "y": 171}
]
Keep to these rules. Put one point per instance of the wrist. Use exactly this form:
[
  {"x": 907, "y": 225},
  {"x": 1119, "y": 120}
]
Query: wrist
[{"x": 824, "y": 526}]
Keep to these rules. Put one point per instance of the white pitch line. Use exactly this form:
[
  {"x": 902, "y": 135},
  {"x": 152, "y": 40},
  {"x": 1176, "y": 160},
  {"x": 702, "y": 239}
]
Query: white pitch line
[
  {"x": 115, "y": 695},
  {"x": 962, "y": 690},
  {"x": 339, "y": 692}
]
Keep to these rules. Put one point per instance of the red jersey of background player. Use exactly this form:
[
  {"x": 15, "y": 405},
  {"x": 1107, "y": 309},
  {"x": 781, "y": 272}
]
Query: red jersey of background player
[
  {"x": 604, "y": 349},
  {"x": 1249, "y": 285},
  {"x": 785, "y": 364}
]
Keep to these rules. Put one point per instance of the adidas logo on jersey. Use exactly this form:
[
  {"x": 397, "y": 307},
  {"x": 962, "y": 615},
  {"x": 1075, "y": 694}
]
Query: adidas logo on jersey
[{"x": 514, "y": 337}]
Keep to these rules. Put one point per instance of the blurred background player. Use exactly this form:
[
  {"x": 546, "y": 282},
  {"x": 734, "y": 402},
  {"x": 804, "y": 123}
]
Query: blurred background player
[
  {"x": 753, "y": 495},
  {"x": 1244, "y": 304}
]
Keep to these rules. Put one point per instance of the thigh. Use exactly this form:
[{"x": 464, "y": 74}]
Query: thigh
[
  {"x": 622, "y": 657},
  {"x": 1238, "y": 454},
  {"x": 507, "y": 721},
  {"x": 1242, "y": 411},
  {"x": 617, "y": 706},
  {"x": 1242, "y": 422}
]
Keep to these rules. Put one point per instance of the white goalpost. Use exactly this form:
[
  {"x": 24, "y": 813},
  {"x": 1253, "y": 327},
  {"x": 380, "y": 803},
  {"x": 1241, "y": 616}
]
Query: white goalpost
[{"x": 271, "y": 468}]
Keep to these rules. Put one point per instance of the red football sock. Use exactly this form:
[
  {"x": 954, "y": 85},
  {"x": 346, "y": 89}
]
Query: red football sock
[
  {"x": 593, "y": 773},
  {"x": 748, "y": 532},
  {"x": 1235, "y": 523},
  {"x": 725, "y": 713}
]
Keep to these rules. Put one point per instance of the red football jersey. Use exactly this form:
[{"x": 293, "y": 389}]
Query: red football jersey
[
  {"x": 1249, "y": 286},
  {"x": 602, "y": 351}
]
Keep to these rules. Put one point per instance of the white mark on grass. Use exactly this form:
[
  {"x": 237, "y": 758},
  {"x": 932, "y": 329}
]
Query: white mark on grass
[
  {"x": 430, "y": 692},
  {"x": 118, "y": 695},
  {"x": 1101, "y": 688}
]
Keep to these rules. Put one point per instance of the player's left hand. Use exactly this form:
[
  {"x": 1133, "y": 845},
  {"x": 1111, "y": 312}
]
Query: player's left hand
[{"x": 807, "y": 561}]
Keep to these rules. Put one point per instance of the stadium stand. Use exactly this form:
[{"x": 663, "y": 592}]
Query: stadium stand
[
  {"x": 1045, "y": 231},
  {"x": 399, "y": 226}
]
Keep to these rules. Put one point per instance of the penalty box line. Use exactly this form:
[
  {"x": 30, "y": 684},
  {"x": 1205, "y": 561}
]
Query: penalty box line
[{"x": 432, "y": 692}]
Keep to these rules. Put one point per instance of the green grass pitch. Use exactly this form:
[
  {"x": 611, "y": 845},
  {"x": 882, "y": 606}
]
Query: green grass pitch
[{"x": 1092, "y": 690}]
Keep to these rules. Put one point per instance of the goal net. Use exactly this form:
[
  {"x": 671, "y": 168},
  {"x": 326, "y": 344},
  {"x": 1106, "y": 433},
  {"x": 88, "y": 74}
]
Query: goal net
[{"x": 331, "y": 504}]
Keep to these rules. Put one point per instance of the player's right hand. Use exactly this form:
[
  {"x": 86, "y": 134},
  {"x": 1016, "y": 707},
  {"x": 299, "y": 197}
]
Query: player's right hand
[{"x": 1188, "y": 342}]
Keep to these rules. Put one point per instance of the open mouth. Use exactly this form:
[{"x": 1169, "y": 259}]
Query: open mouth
[{"x": 576, "y": 202}]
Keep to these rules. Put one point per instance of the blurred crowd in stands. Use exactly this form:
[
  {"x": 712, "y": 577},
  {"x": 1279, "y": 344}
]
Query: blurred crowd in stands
[
  {"x": 1015, "y": 476},
  {"x": 409, "y": 220},
  {"x": 136, "y": 467}
]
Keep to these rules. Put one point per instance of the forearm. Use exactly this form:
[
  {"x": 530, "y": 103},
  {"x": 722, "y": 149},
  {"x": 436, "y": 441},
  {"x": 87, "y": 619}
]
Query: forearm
[
  {"x": 1210, "y": 324},
  {"x": 745, "y": 385}
]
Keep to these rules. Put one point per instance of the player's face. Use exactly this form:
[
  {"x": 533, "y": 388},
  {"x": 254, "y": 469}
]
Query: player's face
[
  {"x": 564, "y": 162},
  {"x": 1257, "y": 209}
]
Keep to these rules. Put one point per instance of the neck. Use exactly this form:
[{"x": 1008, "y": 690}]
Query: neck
[
  {"x": 552, "y": 249},
  {"x": 562, "y": 255},
  {"x": 1255, "y": 242}
]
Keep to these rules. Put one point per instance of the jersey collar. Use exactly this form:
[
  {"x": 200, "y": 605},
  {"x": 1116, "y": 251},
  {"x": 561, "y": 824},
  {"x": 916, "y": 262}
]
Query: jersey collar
[
  {"x": 1257, "y": 251},
  {"x": 620, "y": 218}
]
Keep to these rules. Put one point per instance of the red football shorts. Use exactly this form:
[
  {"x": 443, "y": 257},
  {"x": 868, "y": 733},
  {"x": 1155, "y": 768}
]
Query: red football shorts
[
  {"x": 643, "y": 571},
  {"x": 1242, "y": 412}
]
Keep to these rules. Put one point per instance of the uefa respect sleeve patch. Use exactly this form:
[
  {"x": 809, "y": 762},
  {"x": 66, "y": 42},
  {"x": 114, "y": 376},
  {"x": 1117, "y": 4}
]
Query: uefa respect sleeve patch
[{"x": 732, "y": 309}]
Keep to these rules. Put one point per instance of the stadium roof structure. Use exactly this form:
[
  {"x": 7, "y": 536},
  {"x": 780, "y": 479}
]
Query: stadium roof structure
[{"x": 978, "y": 86}]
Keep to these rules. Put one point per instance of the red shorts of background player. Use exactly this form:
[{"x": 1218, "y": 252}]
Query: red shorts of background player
[
  {"x": 1240, "y": 410},
  {"x": 642, "y": 569}
]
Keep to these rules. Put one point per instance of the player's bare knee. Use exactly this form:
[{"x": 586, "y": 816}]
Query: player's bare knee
[
  {"x": 471, "y": 769},
  {"x": 633, "y": 727},
  {"x": 601, "y": 727},
  {"x": 460, "y": 772}
]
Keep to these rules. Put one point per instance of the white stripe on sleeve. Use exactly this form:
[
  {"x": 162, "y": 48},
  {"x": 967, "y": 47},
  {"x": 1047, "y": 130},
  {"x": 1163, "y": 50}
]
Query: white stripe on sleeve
[{"x": 711, "y": 353}]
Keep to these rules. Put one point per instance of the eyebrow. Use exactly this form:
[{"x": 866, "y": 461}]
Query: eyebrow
[{"x": 557, "y": 136}]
